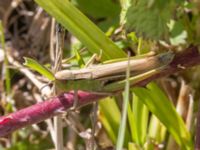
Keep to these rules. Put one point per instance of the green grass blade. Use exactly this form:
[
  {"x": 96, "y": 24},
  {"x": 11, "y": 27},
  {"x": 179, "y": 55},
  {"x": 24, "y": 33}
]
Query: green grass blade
[
  {"x": 110, "y": 117},
  {"x": 121, "y": 133},
  {"x": 80, "y": 60},
  {"x": 7, "y": 71},
  {"x": 109, "y": 110},
  {"x": 80, "y": 26},
  {"x": 138, "y": 121},
  {"x": 171, "y": 115},
  {"x": 34, "y": 65},
  {"x": 157, "y": 130},
  {"x": 132, "y": 146},
  {"x": 141, "y": 113},
  {"x": 108, "y": 127},
  {"x": 132, "y": 124},
  {"x": 164, "y": 110}
]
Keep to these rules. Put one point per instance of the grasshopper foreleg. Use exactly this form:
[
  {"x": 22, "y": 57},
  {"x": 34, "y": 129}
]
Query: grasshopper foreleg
[{"x": 94, "y": 58}]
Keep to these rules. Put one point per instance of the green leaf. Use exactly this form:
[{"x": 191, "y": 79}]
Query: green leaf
[
  {"x": 34, "y": 65},
  {"x": 81, "y": 27},
  {"x": 149, "y": 18},
  {"x": 106, "y": 12},
  {"x": 163, "y": 109},
  {"x": 178, "y": 34},
  {"x": 98, "y": 8}
]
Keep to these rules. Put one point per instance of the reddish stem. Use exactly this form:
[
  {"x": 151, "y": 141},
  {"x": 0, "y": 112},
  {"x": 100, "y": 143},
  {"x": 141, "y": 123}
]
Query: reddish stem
[
  {"x": 41, "y": 111},
  {"x": 54, "y": 106}
]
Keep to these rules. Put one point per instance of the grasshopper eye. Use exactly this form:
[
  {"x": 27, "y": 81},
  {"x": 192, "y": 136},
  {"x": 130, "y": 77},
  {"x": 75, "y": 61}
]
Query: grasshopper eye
[
  {"x": 64, "y": 75},
  {"x": 167, "y": 57}
]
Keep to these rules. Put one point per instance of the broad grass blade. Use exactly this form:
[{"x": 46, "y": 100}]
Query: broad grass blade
[
  {"x": 163, "y": 109},
  {"x": 80, "y": 26},
  {"x": 138, "y": 120}
]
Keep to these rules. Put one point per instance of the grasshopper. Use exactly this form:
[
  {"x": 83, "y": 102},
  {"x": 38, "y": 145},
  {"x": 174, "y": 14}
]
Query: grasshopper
[{"x": 110, "y": 77}]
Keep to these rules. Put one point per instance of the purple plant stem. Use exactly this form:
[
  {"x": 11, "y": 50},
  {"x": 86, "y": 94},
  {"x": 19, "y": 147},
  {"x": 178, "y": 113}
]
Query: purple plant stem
[
  {"x": 41, "y": 111},
  {"x": 54, "y": 106}
]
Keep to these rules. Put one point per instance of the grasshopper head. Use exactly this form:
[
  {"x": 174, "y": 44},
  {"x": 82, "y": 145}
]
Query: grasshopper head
[{"x": 166, "y": 58}]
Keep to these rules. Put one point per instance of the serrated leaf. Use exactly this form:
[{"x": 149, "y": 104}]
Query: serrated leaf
[
  {"x": 34, "y": 65},
  {"x": 149, "y": 19},
  {"x": 178, "y": 34}
]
